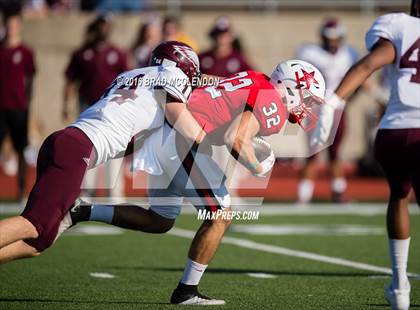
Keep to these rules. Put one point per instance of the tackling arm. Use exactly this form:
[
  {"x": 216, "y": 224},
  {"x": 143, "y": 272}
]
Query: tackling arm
[{"x": 182, "y": 120}]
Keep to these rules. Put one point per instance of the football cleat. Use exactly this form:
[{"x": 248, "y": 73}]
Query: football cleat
[
  {"x": 189, "y": 295},
  {"x": 80, "y": 211},
  {"x": 398, "y": 299}
]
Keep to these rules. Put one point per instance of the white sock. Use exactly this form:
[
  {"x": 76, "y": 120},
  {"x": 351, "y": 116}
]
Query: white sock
[
  {"x": 339, "y": 185},
  {"x": 193, "y": 272},
  {"x": 101, "y": 213},
  {"x": 305, "y": 190},
  {"x": 398, "y": 252}
]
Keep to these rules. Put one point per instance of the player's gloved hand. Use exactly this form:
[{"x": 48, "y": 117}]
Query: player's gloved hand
[
  {"x": 323, "y": 128},
  {"x": 266, "y": 166}
]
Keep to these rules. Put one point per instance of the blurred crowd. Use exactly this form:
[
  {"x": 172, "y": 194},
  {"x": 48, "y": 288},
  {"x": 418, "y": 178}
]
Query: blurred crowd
[
  {"x": 97, "y": 61},
  {"x": 43, "y": 8}
]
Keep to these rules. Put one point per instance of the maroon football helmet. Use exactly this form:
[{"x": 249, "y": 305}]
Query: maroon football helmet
[{"x": 177, "y": 54}]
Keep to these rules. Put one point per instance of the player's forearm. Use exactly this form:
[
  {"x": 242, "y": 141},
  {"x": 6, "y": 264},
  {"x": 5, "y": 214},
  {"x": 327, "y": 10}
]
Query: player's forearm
[
  {"x": 354, "y": 78},
  {"x": 243, "y": 151},
  {"x": 182, "y": 120},
  {"x": 383, "y": 53},
  {"x": 238, "y": 139}
]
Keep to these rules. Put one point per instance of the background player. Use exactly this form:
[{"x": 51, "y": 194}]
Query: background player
[
  {"x": 333, "y": 58},
  {"x": 394, "y": 41},
  {"x": 225, "y": 57},
  {"x": 17, "y": 70},
  {"x": 91, "y": 69},
  {"x": 241, "y": 107},
  {"x": 172, "y": 31},
  {"x": 148, "y": 37},
  {"x": 102, "y": 133}
]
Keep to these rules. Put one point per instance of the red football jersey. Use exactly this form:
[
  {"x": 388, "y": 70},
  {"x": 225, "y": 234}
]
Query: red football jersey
[{"x": 215, "y": 107}]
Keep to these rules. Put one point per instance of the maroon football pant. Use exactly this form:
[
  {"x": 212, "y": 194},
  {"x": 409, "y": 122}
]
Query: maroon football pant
[
  {"x": 61, "y": 166},
  {"x": 398, "y": 152}
]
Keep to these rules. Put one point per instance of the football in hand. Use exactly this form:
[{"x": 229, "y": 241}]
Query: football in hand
[{"x": 262, "y": 148}]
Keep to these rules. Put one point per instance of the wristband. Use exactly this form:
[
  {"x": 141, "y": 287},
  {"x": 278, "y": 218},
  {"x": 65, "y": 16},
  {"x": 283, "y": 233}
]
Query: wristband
[{"x": 253, "y": 166}]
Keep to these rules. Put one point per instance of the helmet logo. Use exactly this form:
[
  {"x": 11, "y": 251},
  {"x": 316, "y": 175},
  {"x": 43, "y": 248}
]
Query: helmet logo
[
  {"x": 308, "y": 78},
  {"x": 189, "y": 54}
]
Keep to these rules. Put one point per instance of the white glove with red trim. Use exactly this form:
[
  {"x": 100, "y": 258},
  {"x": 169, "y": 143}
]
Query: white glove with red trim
[{"x": 326, "y": 120}]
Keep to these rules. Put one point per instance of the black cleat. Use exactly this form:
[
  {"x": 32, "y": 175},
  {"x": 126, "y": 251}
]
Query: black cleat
[
  {"x": 80, "y": 211},
  {"x": 189, "y": 295}
]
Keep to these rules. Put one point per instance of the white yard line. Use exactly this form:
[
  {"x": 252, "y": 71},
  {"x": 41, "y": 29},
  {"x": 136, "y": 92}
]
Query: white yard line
[
  {"x": 102, "y": 275},
  {"x": 249, "y": 244},
  {"x": 261, "y": 275},
  {"x": 362, "y": 209}
]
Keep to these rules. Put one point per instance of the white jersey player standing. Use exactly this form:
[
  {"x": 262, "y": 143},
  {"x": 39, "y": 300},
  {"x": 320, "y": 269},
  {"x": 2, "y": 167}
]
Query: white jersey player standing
[
  {"x": 393, "y": 40},
  {"x": 333, "y": 58}
]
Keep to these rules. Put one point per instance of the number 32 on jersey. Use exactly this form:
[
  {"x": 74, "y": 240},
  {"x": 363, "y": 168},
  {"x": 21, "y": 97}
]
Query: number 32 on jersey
[{"x": 239, "y": 81}]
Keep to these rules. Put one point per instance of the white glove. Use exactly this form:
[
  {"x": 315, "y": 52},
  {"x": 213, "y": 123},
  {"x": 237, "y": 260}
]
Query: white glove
[
  {"x": 267, "y": 164},
  {"x": 326, "y": 120}
]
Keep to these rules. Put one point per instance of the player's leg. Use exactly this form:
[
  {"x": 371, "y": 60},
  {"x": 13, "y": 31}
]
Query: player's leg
[
  {"x": 159, "y": 218},
  {"x": 60, "y": 171},
  {"x": 17, "y": 250},
  {"x": 391, "y": 153},
  {"x": 202, "y": 181},
  {"x": 19, "y": 135},
  {"x": 414, "y": 150},
  {"x": 306, "y": 184},
  {"x": 132, "y": 217},
  {"x": 207, "y": 240},
  {"x": 137, "y": 218},
  {"x": 17, "y": 228},
  {"x": 338, "y": 180},
  {"x": 14, "y": 229}
]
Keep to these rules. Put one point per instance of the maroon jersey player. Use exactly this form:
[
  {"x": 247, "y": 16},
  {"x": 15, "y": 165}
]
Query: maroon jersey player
[
  {"x": 225, "y": 57},
  {"x": 93, "y": 66},
  {"x": 17, "y": 70}
]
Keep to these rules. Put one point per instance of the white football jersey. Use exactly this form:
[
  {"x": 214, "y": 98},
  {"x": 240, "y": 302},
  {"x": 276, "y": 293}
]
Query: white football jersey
[
  {"x": 132, "y": 104},
  {"x": 403, "y": 110},
  {"x": 332, "y": 66}
]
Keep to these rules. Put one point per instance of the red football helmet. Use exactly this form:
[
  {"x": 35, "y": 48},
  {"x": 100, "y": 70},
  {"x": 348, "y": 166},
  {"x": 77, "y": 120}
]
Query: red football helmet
[{"x": 181, "y": 55}]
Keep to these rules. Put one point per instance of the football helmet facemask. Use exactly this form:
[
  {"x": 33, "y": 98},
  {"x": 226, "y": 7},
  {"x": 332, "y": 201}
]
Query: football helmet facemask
[{"x": 302, "y": 88}]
